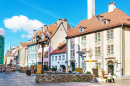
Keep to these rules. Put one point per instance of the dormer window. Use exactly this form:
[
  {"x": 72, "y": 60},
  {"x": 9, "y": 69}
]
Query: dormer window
[
  {"x": 31, "y": 40},
  {"x": 98, "y": 18},
  {"x": 104, "y": 22},
  {"x": 81, "y": 29}
]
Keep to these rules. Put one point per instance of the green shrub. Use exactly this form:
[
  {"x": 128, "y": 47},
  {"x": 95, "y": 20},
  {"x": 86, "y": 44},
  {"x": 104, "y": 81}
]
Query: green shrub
[{"x": 88, "y": 72}]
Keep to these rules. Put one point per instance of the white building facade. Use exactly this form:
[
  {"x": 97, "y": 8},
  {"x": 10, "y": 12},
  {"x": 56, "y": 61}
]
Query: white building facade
[
  {"x": 59, "y": 61},
  {"x": 106, "y": 40}
]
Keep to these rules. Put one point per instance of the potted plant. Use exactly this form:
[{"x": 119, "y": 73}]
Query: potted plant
[{"x": 114, "y": 76}]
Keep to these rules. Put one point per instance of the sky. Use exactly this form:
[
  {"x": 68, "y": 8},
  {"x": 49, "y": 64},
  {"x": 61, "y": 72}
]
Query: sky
[{"x": 20, "y": 17}]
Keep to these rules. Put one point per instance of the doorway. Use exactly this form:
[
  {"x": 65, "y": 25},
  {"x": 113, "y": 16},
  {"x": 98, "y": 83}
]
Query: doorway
[
  {"x": 63, "y": 68},
  {"x": 110, "y": 67},
  {"x": 73, "y": 66}
]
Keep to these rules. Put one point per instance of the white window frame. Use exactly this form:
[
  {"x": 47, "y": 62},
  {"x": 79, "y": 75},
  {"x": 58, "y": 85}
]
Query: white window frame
[
  {"x": 110, "y": 34},
  {"x": 60, "y": 57},
  {"x": 55, "y": 58},
  {"x": 63, "y": 57},
  {"x": 97, "y": 36},
  {"x": 72, "y": 41},
  {"x": 98, "y": 18},
  {"x": 81, "y": 29},
  {"x": 83, "y": 38},
  {"x": 110, "y": 49},
  {"x": 72, "y": 54},
  {"x": 52, "y": 58},
  {"x": 105, "y": 22},
  {"x": 98, "y": 50},
  {"x": 98, "y": 65}
]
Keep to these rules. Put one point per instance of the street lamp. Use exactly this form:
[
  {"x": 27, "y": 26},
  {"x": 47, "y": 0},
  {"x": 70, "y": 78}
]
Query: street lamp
[{"x": 38, "y": 38}]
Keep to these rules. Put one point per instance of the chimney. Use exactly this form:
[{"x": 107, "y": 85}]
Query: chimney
[
  {"x": 13, "y": 46},
  {"x": 45, "y": 28},
  {"x": 29, "y": 41},
  {"x": 91, "y": 8},
  {"x": 41, "y": 29},
  {"x": 58, "y": 22},
  {"x": 65, "y": 23},
  {"x": 111, "y": 6},
  {"x": 34, "y": 33}
]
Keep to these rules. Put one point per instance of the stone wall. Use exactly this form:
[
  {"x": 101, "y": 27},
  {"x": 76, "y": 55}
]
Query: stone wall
[{"x": 57, "y": 78}]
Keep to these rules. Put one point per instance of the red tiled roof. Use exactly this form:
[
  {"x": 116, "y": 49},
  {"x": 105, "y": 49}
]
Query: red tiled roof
[
  {"x": 62, "y": 50},
  {"x": 116, "y": 17},
  {"x": 23, "y": 44}
]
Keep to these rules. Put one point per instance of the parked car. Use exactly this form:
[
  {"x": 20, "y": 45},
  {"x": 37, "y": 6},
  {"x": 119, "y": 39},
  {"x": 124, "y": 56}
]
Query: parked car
[{"x": 74, "y": 72}]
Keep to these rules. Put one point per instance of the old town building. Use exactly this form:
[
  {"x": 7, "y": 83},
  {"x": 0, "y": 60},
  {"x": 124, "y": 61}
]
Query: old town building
[{"x": 106, "y": 38}]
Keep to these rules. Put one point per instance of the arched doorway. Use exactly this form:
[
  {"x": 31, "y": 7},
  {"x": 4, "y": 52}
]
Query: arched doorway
[
  {"x": 73, "y": 66},
  {"x": 63, "y": 68},
  {"x": 110, "y": 67}
]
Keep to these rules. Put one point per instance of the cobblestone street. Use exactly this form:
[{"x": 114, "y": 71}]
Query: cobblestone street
[{"x": 21, "y": 79}]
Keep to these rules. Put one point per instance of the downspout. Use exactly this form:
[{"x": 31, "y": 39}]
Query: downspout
[
  {"x": 66, "y": 55},
  {"x": 49, "y": 55},
  {"x": 121, "y": 51}
]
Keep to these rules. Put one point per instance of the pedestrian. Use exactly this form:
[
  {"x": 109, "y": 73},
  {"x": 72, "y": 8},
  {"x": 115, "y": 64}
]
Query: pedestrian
[
  {"x": 113, "y": 79},
  {"x": 69, "y": 71}
]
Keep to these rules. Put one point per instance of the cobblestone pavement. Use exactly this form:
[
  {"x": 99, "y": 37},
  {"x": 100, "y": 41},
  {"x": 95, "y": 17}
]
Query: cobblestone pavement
[{"x": 21, "y": 79}]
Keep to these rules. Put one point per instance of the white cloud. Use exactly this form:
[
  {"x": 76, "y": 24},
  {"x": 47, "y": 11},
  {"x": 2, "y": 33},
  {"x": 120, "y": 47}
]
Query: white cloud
[{"x": 22, "y": 23}]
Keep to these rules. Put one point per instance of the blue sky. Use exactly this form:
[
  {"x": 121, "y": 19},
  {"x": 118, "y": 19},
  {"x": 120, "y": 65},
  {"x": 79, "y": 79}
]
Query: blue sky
[{"x": 32, "y": 14}]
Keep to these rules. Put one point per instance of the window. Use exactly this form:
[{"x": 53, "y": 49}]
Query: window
[
  {"x": 39, "y": 55},
  {"x": 81, "y": 29},
  {"x": 72, "y": 42},
  {"x": 38, "y": 46},
  {"x": 46, "y": 55},
  {"x": 55, "y": 58},
  {"x": 52, "y": 58},
  {"x": 97, "y": 50},
  {"x": 59, "y": 57},
  {"x": 104, "y": 22},
  {"x": 32, "y": 40},
  {"x": 85, "y": 53},
  {"x": 84, "y": 66},
  {"x": 72, "y": 53},
  {"x": 98, "y": 65},
  {"x": 63, "y": 57},
  {"x": 46, "y": 63},
  {"x": 97, "y": 36},
  {"x": 98, "y": 18},
  {"x": 110, "y": 34},
  {"x": 83, "y": 39},
  {"x": 110, "y": 49}
]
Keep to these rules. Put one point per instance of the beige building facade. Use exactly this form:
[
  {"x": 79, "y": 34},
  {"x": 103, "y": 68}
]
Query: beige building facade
[{"x": 105, "y": 39}]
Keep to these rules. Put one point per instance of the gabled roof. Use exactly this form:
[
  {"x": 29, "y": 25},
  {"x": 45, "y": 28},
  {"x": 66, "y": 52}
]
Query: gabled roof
[
  {"x": 16, "y": 51},
  {"x": 116, "y": 17},
  {"x": 57, "y": 50}
]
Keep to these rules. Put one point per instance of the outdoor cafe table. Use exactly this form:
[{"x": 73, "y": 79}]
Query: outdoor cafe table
[{"x": 109, "y": 77}]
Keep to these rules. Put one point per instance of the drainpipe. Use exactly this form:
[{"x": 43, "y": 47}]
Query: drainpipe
[
  {"x": 121, "y": 51},
  {"x": 66, "y": 55}
]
